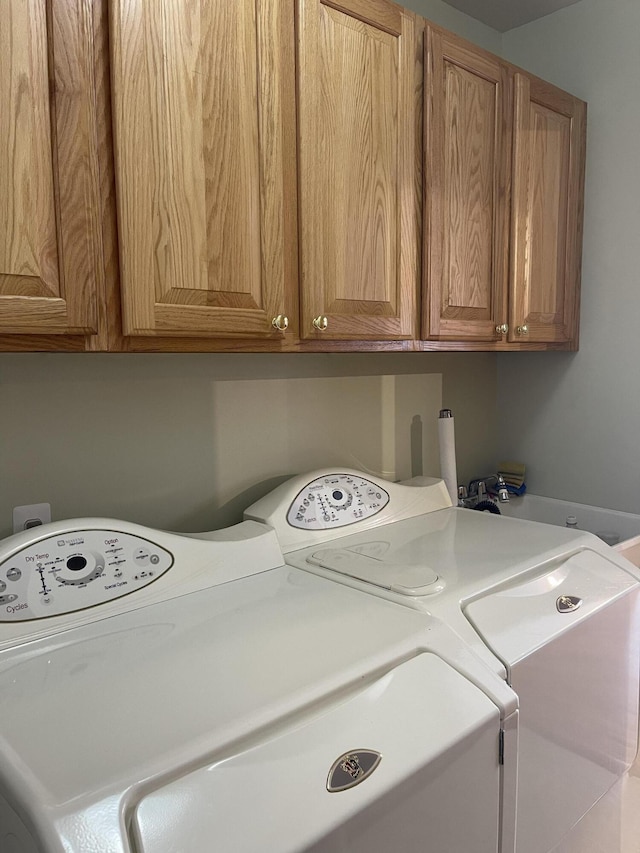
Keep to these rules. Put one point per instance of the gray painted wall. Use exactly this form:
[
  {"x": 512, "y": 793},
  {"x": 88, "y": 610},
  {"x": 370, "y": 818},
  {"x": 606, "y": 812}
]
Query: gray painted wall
[
  {"x": 575, "y": 419},
  {"x": 452, "y": 19},
  {"x": 185, "y": 442}
]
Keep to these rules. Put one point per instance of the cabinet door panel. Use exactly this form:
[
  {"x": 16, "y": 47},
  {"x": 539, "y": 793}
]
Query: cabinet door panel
[
  {"x": 547, "y": 212},
  {"x": 358, "y": 211},
  {"x": 205, "y": 165},
  {"x": 50, "y": 249},
  {"x": 466, "y": 191}
]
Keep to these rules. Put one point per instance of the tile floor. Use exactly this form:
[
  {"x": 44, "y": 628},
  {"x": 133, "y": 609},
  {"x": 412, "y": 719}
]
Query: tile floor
[{"x": 613, "y": 824}]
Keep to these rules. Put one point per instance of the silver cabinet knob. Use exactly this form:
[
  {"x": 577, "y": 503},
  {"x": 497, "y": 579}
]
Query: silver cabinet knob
[
  {"x": 281, "y": 322},
  {"x": 522, "y": 330},
  {"x": 502, "y": 329},
  {"x": 320, "y": 323}
]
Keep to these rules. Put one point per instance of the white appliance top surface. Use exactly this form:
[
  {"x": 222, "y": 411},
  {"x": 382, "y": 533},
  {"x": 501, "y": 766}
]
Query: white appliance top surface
[
  {"x": 36, "y": 599},
  {"x": 414, "y": 548},
  {"x": 143, "y": 693},
  {"x": 468, "y": 551}
]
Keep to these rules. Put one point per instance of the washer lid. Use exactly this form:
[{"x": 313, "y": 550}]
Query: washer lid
[
  {"x": 272, "y": 793},
  {"x": 526, "y": 614},
  {"x": 471, "y": 552},
  {"x": 403, "y": 578},
  {"x": 97, "y": 708}
]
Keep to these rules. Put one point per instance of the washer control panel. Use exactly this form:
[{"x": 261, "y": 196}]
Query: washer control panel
[
  {"x": 336, "y": 501},
  {"x": 68, "y": 572}
]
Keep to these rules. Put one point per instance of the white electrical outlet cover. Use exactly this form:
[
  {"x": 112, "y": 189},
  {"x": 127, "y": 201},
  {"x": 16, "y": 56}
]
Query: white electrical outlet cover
[{"x": 30, "y": 515}]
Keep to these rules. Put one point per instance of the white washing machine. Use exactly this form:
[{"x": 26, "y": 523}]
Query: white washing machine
[
  {"x": 169, "y": 694},
  {"x": 555, "y": 612}
]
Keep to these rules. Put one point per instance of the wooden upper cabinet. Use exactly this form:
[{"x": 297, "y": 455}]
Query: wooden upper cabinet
[
  {"x": 548, "y": 178},
  {"x": 204, "y": 114},
  {"x": 467, "y": 168},
  {"x": 50, "y": 243},
  {"x": 359, "y": 207}
]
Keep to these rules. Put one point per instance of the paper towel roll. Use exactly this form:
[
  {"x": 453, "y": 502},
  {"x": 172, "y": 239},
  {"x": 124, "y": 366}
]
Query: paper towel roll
[{"x": 447, "y": 438}]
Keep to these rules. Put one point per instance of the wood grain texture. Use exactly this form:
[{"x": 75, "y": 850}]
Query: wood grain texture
[
  {"x": 468, "y": 135},
  {"x": 549, "y": 188},
  {"x": 411, "y": 208},
  {"x": 205, "y": 165},
  {"x": 49, "y": 229},
  {"x": 42, "y": 343},
  {"x": 470, "y": 120},
  {"x": 361, "y": 146},
  {"x": 381, "y": 14},
  {"x": 28, "y": 240},
  {"x": 78, "y": 179},
  {"x": 24, "y": 285},
  {"x": 284, "y": 345},
  {"x": 549, "y": 150},
  {"x": 109, "y": 334},
  {"x": 357, "y": 171},
  {"x": 25, "y": 343},
  {"x": 491, "y": 346}
]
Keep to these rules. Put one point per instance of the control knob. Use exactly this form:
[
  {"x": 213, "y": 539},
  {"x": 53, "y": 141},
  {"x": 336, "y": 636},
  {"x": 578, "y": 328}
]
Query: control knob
[{"x": 80, "y": 569}]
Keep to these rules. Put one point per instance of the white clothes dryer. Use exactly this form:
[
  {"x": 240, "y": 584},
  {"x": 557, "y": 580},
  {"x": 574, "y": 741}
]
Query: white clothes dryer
[
  {"x": 167, "y": 694},
  {"x": 555, "y": 612}
]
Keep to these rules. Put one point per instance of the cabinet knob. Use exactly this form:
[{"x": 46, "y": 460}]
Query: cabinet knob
[
  {"x": 281, "y": 322},
  {"x": 522, "y": 330},
  {"x": 502, "y": 329},
  {"x": 320, "y": 323}
]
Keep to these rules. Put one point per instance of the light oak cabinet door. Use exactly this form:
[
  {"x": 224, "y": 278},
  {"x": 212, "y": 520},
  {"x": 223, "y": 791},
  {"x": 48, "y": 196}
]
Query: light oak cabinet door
[
  {"x": 467, "y": 171},
  {"x": 204, "y": 114},
  {"x": 359, "y": 209},
  {"x": 548, "y": 179},
  {"x": 50, "y": 244}
]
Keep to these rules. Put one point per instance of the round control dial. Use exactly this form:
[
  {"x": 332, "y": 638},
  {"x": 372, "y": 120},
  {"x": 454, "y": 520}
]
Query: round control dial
[
  {"x": 79, "y": 569},
  {"x": 338, "y": 498}
]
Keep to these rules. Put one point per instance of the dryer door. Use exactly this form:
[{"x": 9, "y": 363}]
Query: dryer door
[
  {"x": 434, "y": 787},
  {"x": 570, "y": 641}
]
